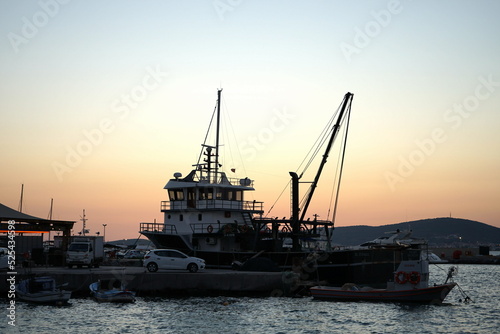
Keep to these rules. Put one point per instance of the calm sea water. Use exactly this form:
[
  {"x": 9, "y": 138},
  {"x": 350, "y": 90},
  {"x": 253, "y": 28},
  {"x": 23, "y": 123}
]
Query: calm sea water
[{"x": 276, "y": 315}]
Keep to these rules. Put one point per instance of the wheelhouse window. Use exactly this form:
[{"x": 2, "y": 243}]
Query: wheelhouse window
[
  {"x": 238, "y": 195},
  {"x": 225, "y": 194},
  {"x": 206, "y": 193},
  {"x": 176, "y": 195},
  {"x": 233, "y": 195}
]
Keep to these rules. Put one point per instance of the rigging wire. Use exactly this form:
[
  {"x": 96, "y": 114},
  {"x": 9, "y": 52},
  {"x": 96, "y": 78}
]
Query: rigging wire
[
  {"x": 318, "y": 144},
  {"x": 227, "y": 115},
  {"x": 225, "y": 143},
  {"x": 272, "y": 206},
  {"x": 208, "y": 132},
  {"x": 322, "y": 139},
  {"x": 228, "y": 132},
  {"x": 335, "y": 183},
  {"x": 341, "y": 165},
  {"x": 312, "y": 153}
]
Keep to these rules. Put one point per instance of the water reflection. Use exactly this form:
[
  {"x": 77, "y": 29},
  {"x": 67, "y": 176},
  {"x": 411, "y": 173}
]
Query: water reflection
[{"x": 274, "y": 315}]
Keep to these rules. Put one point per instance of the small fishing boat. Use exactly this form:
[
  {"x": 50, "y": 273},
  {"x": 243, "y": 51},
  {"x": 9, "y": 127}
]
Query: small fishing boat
[
  {"x": 111, "y": 290},
  {"x": 410, "y": 285},
  {"x": 42, "y": 290}
]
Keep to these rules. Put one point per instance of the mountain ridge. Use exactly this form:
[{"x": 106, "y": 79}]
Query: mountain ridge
[
  {"x": 439, "y": 232},
  {"x": 442, "y": 231}
]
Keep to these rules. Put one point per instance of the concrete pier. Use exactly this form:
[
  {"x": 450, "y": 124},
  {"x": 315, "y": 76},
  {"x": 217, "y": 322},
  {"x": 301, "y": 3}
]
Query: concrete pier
[{"x": 161, "y": 283}]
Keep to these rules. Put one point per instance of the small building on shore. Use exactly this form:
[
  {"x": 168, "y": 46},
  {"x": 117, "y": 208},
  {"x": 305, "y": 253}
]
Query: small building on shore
[{"x": 27, "y": 232}]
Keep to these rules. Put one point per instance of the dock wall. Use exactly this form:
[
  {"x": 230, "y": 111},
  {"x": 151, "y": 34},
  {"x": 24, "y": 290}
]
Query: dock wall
[{"x": 210, "y": 282}]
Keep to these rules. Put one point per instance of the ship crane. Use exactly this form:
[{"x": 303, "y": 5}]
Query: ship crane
[{"x": 345, "y": 109}]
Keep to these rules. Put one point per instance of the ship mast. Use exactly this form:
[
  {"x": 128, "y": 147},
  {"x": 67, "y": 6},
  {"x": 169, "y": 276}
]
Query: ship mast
[
  {"x": 219, "y": 91},
  {"x": 211, "y": 167}
]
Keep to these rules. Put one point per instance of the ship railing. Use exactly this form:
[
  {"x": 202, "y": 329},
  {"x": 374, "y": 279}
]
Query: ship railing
[
  {"x": 223, "y": 179},
  {"x": 285, "y": 225},
  {"x": 284, "y": 220},
  {"x": 202, "y": 228},
  {"x": 252, "y": 206},
  {"x": 226, "y": 228},
  {"x": 158, "y": 227}
]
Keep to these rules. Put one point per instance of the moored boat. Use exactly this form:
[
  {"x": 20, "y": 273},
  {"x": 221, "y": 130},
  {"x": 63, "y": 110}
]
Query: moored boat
[
  {"x": 111, "y": 290},
  {"x": 42, "y": 290},
  {"x": 409, "y": 285},
  {"x": 207, "y": 216}
]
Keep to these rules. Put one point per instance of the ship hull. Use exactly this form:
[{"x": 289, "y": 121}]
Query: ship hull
[
  {"x": 374, "y": 266},
  {"x": 434, "y": 295}
]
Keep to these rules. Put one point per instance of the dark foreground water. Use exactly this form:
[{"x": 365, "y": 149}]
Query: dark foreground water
[{"x": 275, "y": 315}]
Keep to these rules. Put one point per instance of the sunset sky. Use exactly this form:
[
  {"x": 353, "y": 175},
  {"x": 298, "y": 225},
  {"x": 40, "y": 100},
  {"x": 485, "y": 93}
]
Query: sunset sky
[{"x": 103, "y": 101}]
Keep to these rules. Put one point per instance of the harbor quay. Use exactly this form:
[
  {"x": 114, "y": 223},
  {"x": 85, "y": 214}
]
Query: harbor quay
[{"x": 162, "y": 283}]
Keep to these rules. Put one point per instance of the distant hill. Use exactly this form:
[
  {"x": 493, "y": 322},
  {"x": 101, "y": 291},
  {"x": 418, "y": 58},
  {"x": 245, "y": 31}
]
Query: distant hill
[{"x": 440, "y": 232}]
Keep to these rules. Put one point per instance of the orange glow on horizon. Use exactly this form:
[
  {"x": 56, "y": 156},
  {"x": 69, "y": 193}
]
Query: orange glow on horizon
[{"x": 20, "y": 232}]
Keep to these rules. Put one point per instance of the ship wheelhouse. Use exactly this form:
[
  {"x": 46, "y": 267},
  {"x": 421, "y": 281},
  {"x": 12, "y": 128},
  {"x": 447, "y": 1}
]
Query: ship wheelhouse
[
  {"x": 186, "y": 194},
  {"x": 206, "y": 210}
]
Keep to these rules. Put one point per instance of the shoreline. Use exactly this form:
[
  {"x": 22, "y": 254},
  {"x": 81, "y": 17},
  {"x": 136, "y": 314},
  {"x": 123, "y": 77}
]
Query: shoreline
[{"x": 165, "y": 282}]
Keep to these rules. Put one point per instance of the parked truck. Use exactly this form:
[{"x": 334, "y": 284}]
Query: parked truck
[{"x": 85, "y": 251}]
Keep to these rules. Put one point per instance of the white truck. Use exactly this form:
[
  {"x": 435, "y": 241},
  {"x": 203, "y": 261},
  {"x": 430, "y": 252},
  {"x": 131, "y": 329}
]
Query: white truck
[{"x": 85, "y": 251}]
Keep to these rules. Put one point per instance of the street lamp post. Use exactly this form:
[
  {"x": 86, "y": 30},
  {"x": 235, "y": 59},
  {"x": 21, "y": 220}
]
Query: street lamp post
[{"x": 104, "y": 236}]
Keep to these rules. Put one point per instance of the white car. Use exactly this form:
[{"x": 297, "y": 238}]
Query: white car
[{"x": 172, "y": 259}]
